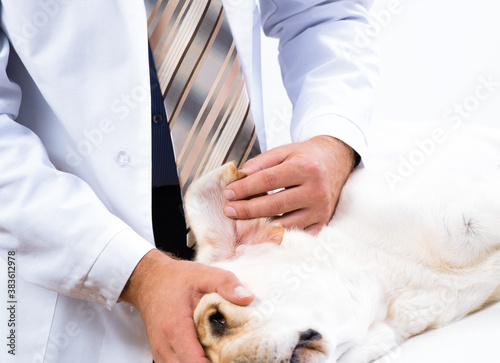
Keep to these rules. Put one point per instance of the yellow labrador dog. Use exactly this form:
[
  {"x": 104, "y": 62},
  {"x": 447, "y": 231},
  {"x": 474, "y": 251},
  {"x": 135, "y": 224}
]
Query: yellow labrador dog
[{"x": 393, "y": 262}]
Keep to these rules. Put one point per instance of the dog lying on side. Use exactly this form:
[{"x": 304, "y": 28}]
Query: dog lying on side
[{"x": 390, "y": 265}]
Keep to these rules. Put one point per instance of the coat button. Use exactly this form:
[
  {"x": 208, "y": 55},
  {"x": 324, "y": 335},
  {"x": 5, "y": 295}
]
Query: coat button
[
  {"x": 122, "y": 159},
  {"x": 131, "y": 310},
  {"x": 158, "y": 118}
]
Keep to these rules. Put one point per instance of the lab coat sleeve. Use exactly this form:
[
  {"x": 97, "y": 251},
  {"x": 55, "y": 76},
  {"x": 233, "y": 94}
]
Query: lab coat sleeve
[
  {"x": 61, "y": 236},
  {"x": 328, "y": 68}
]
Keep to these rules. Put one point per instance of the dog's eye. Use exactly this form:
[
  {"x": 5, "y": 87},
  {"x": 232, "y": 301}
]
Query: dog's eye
[{"x": 217, "y": 323}]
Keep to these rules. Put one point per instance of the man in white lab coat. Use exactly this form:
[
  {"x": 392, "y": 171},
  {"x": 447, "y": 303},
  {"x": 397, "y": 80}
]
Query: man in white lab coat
[{"x": 75, "y": 169}]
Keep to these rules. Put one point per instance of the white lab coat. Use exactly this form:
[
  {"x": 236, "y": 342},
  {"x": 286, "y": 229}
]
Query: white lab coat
[{"x": 75, "y": 157}]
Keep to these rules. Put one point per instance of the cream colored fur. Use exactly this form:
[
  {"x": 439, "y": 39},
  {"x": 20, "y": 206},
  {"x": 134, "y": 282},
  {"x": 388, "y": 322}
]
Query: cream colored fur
[{"x": 393, "y": 263}]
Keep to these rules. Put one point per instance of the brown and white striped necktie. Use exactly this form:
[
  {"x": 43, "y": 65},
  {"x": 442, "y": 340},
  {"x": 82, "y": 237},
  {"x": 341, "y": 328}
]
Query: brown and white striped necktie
[{"x": 202, "y": 85}]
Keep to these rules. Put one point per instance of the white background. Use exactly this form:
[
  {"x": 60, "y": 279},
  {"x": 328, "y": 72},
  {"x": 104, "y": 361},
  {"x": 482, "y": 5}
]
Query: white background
[{"x": 432, "y": 54}]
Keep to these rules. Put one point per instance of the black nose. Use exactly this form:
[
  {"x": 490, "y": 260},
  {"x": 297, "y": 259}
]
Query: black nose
[
  {"x": 305, "y": 338},
  {"x": 308, "y": 336}
]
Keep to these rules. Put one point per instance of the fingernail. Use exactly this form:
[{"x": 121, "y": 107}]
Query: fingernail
[
  {"x": 248, "y": 171},
  {"x": 230, "y": 212},
  {"x": 229, "y": 194},
  {"x": 242, "y": 292}
]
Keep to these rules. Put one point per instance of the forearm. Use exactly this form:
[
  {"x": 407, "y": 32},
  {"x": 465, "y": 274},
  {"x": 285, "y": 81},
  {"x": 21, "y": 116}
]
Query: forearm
[
  {"x": 58, "y": 227},
  {"x": 328, "y": 77},
  {"x": 64, "y": 237}
]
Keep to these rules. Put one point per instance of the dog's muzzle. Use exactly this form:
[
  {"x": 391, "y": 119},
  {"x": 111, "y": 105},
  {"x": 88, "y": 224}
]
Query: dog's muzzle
[{"x": 308, "y": 341}]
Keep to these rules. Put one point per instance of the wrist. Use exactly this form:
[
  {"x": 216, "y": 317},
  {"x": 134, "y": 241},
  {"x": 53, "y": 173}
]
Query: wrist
[
  {"x": 144, "y": 275},
  {"x": 344, "y": 153}
]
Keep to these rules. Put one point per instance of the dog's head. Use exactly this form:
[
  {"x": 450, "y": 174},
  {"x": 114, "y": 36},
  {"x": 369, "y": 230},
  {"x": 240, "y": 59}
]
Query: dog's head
[
  {"x": 292, "y": 318},
  {"x": 231, "y": 333}
]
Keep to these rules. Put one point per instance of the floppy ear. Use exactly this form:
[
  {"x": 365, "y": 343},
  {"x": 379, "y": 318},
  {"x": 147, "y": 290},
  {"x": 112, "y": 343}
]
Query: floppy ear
[{"x": 217, "y": 236}]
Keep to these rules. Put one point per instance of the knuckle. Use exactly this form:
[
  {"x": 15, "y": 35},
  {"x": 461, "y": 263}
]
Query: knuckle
[
  {"x": 227, "y": 277},
  {"x": 302, "y": 164},
  {"x": 320, "y": 215},
  {"x": 321, "y": 192},
  {"x": 326, "y": 206},
  {"x": 315, "y": 168},
  {"x": 278, "y": 206},
  {"x": 244, "y": 212},
  {"x": 240, "y": 189},
  {"x": 325, "y": 215},
  {"x": 269, "y": 180},
  {"x": 167, "y": 332},
  {"x": 253, "y": 163},
  {"x": 301, "y": 161}
]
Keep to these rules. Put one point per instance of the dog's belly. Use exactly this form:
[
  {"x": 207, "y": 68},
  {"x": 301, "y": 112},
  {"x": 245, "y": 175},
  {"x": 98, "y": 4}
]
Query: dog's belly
[{"x": 434, "y": 244}]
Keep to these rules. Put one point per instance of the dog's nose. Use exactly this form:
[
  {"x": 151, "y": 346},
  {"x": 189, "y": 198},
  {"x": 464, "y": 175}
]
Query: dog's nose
[
  {"x": 303, "y": 345},
  {"x": 308, "y": 336}
]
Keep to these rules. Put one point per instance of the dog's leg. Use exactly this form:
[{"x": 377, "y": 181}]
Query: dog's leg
[
  {"x": 217, "y": 236},
  {"x": 495, "y": 297},
  {"x": 468, "y": 228}
]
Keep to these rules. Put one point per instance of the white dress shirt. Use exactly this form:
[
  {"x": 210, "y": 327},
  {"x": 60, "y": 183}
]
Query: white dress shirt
[{"x": 75, "y": 151}]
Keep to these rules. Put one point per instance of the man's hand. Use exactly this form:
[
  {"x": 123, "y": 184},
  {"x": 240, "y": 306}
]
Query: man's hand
[
  {"x": 312, "y": 172},
  {"x": 166, "y": 292}
]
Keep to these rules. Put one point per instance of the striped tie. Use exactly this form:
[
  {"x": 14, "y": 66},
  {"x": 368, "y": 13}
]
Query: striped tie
[{"x": 202, "y": 85}]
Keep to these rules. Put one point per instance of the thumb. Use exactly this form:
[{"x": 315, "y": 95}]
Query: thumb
[
  {"x": 240, "y": 295},
  {"x": 227, "y": 285},
  {"x": 236, "y": 293}
]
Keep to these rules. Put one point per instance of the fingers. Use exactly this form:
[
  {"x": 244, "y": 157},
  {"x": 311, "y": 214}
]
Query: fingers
[
  {"x": 313, "y": 194},
  {"x": 265, "y": 160},
  {"x": 312, "y": 173},
  {"x": 184, "y": 345},
  {"x": 189, "y": 354},
  {"x": 306, "y": 219},
  {"x": 315, "y": 228},
  {"x": 265, "y": 180},
  {"x": 281, "y": 176},
  {"x": 267, "y": 205},
  {"x": 175, "y": 339},
  {"x": 265, "y": 173}
]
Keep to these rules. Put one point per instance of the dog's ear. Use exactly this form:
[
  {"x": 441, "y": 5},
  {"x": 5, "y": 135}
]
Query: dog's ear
[{"x": 217, "y": 236}]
